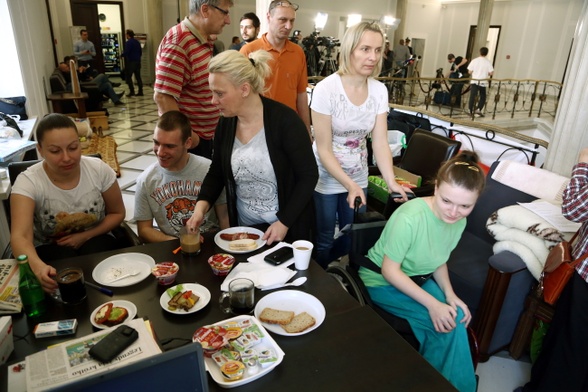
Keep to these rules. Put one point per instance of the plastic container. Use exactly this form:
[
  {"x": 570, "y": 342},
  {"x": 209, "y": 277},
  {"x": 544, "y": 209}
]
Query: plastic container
[
  {"x": 165, "y": 272},
  {"x": 221, "y": 263}
]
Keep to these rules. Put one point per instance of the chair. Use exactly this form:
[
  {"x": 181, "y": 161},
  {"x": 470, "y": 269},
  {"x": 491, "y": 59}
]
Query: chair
[
  {"x": 123, "y": 233},
  {"x": 424, "y": 154},
  {"x": 363, "y": 237},
  {"x": 59, "y": 85}
]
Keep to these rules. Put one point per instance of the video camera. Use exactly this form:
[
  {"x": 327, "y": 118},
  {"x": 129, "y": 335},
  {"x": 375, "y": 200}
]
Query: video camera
[{"x": 314, "y": 40}]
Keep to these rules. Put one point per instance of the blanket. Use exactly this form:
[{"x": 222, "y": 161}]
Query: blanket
[{"x": 525, "y": 234}]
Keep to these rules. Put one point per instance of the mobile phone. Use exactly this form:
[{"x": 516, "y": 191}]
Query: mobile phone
[
  {"x": 114, "y": 343},
  {"x": 280, "y": 256}
]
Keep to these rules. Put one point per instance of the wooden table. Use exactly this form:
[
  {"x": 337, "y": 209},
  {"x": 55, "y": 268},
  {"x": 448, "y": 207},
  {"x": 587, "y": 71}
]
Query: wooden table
[
  {"x": 79, "y": 99},
  {"x": 354, "y": 349}
]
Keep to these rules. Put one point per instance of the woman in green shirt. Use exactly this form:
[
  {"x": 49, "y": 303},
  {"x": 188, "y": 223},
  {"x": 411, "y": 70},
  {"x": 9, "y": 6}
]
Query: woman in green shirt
[{"x": 414, "y": 247}]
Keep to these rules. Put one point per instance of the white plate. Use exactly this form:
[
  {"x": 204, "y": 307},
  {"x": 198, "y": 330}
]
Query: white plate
[
  {"x": 197, "y": 289},
  {"x": 224, "y": 245},
  {"x": 129, "y": 306},
  {"x": 293, "y": 300},
  {"x": 267, "y": 343},
  {"x": 122, "y": 264}
]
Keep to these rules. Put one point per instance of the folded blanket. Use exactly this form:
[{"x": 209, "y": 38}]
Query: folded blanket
[{"x": 525, "y": 234}]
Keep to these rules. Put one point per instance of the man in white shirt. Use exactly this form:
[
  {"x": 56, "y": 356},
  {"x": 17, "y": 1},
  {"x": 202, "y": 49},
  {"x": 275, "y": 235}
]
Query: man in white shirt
[{"x": 480, "y": 69}]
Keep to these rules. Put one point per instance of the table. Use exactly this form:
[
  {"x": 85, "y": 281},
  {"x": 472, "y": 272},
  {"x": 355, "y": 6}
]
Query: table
[{"x": 353, "y": 349}]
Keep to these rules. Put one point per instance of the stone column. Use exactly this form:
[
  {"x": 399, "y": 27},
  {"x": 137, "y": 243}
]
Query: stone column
[
  {"x": 261, "y": 7},
  {"x": 400, "y": 14},
  {"x": 484, "y": 15},
  {"x": 570, "y": 131}
]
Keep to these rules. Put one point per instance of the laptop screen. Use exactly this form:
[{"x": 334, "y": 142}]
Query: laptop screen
[{"x": 181, "y": 369}]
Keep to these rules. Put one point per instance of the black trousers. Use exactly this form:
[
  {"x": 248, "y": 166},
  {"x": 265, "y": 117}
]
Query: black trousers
[
  {"x": 562, "y": 364},
  {"x": 101, "y": 243},
  {"x": 133, "y": 68},
  {"x": 474, "y": 90},
  {"x": 203, "y": 149}
]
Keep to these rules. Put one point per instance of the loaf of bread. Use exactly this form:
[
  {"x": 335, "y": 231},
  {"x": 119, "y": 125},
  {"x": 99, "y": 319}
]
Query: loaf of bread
[
  {"x": 243, "y": 244},
  {"x": 301, "y": 322},
  {"x": 274, "y": 316}
]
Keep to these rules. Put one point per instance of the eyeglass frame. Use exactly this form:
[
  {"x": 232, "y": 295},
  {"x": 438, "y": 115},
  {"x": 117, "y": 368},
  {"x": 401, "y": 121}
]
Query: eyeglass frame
[
  {"x": 276, "y": 4},
  {"x": 224, "y": 12}
]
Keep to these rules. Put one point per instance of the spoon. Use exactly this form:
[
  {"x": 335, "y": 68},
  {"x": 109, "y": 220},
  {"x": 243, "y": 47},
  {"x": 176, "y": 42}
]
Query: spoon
[
  {"x": 295, "y": 282},
  {"x": 132, "y": 273}
]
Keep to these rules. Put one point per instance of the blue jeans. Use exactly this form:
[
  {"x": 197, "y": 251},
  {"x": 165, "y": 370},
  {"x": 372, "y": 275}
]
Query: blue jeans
[{"x": 330, "y": 210}]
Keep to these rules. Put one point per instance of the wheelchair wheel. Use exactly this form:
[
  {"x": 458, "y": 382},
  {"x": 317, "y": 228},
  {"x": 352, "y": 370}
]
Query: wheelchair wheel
[{"x": 341, "y": 275}]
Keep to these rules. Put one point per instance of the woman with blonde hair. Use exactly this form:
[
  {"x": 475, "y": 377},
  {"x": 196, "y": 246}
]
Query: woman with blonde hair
[
  {"x": 346, "y": 107},
  {"x": 262, "y": 154}
]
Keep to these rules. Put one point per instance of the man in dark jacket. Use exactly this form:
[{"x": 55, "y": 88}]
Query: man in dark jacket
[{"x": 132, "y": 55}]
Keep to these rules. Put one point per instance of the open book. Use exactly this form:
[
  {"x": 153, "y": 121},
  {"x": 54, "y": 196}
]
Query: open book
[
  {"x": 70, "y": 361},
  {"x": 9, "y": 297}
]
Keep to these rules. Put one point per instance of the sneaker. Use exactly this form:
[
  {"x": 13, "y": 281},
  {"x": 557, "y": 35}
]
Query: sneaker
[
  {"x": 130, "y": 94},
  {"x": 114, "y": 84},
  {"x": 119, "y": 103},
  {"x": 140, "y": 94},
  {"x": 120, "y": 95},
  {"x": 479, "y": 113}
]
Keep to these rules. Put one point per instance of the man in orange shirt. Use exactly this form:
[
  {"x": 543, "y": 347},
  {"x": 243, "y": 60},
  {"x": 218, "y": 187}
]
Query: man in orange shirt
[{"x": 289, "y": 79}]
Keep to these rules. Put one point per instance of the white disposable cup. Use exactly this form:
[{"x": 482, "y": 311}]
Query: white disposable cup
[{"x": 302, "y": 253}]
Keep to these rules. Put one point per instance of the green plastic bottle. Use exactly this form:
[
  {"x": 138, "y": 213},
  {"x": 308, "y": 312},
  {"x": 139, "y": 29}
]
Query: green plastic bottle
[{"x": 30, "y": 290}]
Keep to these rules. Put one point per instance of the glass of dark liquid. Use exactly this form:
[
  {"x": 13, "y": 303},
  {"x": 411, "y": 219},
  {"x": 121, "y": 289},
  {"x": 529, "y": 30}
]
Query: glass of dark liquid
[
  {"x": 71, "y": 285},
  {"x": 241, "y": 297}
]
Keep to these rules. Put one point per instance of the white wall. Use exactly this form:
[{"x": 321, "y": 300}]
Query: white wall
[
  {"x": 112, "y": 24},
  {"x": 10, "y": 76}
]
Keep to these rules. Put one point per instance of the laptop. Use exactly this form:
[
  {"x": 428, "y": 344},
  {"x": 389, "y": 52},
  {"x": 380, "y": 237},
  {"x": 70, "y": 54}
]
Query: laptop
[{"x": 180, "y": 369}]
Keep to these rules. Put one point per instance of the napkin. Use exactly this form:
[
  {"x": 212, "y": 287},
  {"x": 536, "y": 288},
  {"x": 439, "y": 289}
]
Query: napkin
[
  {"x": 258, "y": 258},
  {"x": 262, "y": 275}
]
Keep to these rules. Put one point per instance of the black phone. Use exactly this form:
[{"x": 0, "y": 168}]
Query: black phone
[
  {"x": 280, "y": 256},
  {"x": 114, "y": 343}
]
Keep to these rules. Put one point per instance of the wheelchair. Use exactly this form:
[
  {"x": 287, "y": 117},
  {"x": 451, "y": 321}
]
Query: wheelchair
[{"x": 364, "y": 233}]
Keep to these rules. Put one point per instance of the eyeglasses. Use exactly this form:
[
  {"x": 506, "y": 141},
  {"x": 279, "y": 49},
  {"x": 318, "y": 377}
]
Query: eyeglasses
[
  {"x": 224, "y": 12},
  {"x": 283, "y": 4},
  {"x": 469, "y": 165}
]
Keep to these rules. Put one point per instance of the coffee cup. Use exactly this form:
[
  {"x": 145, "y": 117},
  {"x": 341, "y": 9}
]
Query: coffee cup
[
  {"x": 190, "y": 241},
  {"x": 302, "y": 253},
  {"x": 241, "y": 297},
  {"x": 71, "y": 284}
]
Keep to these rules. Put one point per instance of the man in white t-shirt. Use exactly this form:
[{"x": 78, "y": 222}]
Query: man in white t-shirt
[
  {"x": 480, "y": 69},
  {"x": 167, "y": 190}
]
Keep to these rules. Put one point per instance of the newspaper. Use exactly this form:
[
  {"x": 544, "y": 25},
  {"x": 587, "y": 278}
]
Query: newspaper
[
  {"x": 70, "y": 361},
  {"x": 9, "y": 298}
]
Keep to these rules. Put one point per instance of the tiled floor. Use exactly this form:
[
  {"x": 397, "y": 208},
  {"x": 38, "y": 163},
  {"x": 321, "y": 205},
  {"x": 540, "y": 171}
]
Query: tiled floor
[{"x": 132, "y": 126}]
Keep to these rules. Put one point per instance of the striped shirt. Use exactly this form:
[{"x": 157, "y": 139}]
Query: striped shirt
[
  {"x": 181, "y": 70},
  {"x": 575, "y": 208}
]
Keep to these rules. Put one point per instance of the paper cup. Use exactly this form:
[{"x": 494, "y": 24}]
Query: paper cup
[{"x": 302, "y": 253}]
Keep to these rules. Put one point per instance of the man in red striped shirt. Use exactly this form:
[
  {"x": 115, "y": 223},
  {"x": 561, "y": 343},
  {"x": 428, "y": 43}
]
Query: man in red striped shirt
[{"x": 181, "y": 70}]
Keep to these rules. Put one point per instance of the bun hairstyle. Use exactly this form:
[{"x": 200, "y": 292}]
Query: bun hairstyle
[
  {"x": 53, "y": 121},
  {"x": 240, "y": 69},
  {"x": 463, "y": 170}
]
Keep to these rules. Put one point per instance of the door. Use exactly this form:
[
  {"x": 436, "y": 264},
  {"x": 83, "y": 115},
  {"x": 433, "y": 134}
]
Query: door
[
  {"x": 86, "y": 14},
  {"x": 491, "y": 43}
]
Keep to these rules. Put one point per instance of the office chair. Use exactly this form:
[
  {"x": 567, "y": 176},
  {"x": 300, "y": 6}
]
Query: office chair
[
  {"x": 123, "y": 233},
  {"x": 425, "y": 153}
]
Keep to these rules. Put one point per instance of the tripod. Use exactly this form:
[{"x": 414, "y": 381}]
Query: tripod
[{"x": 328, "y": 65}]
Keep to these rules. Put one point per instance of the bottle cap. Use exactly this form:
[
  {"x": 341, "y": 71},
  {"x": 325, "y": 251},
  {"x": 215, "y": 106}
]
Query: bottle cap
[{"x": 22, "y": 258}]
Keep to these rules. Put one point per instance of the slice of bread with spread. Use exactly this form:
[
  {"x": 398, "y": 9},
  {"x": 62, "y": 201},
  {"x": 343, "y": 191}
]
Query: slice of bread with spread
[
  {"x": 243, "y": 244},
  {"x": 301, "y": 322},
  {"x": 275, "y": 316}
]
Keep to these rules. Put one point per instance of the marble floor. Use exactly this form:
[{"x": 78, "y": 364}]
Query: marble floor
[{"x": 132, "y": 126}]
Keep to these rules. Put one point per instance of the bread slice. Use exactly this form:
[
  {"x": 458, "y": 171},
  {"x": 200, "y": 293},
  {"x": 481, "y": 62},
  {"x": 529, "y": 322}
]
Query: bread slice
[
  {"x": 103, "y": 313},
  {"x": 243, "y": 244},
  {"x": 117, "y": 316},
  {"x": 275, "y": 316},
  {"x": 301, "y": 322}
]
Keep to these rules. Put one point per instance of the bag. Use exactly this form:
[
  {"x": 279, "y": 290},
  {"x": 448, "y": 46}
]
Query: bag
[
  {"x": 11, "y": 123},
  {"x": 558, "y": 270},
  {"x": 442, "y": 98},
  {"x": 14, "y": 105}
]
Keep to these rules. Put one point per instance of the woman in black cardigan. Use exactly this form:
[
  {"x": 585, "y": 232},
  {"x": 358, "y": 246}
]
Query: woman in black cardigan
[{"x": 262, "y": 154}]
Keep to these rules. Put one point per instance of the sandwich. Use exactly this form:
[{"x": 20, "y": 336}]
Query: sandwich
[
  {"x": 243, "y": 244},
  {"x": 103, "y": 313},
  {"x": 183, "y": 300},
  {"x": 117, "y": 316},
  {"x": 275, "y": 316}
]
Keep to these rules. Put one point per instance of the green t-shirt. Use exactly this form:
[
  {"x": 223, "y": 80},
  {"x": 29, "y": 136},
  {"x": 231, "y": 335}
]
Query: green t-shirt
[{"x": 415, "y": 238}]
